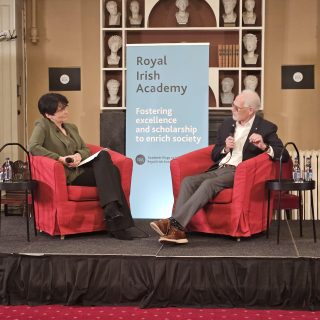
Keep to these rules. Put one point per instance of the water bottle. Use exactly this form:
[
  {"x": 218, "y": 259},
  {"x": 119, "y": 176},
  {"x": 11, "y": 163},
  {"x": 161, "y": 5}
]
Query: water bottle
[
  {"x": 296, "y": 173},
  {"x": 7, "y": 171},
  {"x": 308, "y": 170}
]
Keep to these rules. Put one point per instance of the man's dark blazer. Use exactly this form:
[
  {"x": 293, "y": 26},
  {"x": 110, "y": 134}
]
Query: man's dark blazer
[{"x": 266, "y": 129}]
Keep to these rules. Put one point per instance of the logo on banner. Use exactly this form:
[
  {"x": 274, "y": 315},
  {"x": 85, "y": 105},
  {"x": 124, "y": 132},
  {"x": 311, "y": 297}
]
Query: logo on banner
[{"x": 140, "y": 159}]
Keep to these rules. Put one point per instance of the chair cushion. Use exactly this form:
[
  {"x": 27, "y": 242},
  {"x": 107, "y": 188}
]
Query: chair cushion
[
  {"x": 224, "y": 196},
  {"x": 79, "y": 193}
]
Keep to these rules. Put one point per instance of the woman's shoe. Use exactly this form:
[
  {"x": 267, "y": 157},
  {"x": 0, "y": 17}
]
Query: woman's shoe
[{"x": 121, "y": 234}]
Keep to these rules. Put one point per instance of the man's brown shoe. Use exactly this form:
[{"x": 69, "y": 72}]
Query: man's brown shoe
[
  {"x": 174, "y": 236},
  {"x": 161, "y": 227}
]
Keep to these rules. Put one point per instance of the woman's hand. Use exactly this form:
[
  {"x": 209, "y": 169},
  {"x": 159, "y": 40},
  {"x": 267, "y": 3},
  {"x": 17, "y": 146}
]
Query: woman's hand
[
  {"x": 71, "y": 161},
  {"x": 76, "y": 159}
]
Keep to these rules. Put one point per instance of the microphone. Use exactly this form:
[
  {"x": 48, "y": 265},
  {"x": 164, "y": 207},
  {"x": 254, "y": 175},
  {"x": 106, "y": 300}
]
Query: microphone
[
  {"x": 231, "y": 134},
  {"x": 69, "y": 160},
  {"x": 233, "y": 129}
]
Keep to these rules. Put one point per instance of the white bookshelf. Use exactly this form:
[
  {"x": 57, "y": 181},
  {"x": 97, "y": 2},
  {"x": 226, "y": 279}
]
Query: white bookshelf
[{"x": 158, "y": 23}]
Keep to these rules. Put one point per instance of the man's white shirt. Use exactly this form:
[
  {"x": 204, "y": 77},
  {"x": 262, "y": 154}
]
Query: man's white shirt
[{"x": 240, "y": 136}]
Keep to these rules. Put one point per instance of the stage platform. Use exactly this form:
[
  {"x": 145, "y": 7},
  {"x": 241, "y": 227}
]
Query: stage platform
[{"x": 210, "y": 271}]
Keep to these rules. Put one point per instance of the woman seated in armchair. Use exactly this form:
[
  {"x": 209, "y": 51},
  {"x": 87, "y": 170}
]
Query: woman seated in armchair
[{"x": 55, "y": 138}]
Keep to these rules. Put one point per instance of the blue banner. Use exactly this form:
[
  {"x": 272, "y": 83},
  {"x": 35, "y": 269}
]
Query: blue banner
[{"x": 167, "y": 116}]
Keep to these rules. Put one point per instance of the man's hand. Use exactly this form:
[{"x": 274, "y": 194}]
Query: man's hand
[
  {"x": 229, "y": 144},
  {"x": 257, "y": 140}
]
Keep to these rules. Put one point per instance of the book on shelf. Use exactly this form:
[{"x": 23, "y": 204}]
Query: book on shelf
[
  {"x": 220, "y": 53},
  {"x": 228, "y": 55},
  {"x": 237, "y": 55},
  {"x": 234, "y": 62}
]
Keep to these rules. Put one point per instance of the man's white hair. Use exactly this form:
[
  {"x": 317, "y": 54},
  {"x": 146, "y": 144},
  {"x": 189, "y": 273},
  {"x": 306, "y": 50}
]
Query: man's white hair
[{"x": 251, "y": 99}]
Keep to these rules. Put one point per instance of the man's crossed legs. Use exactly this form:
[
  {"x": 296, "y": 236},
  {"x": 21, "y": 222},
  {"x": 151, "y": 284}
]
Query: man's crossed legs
[{"x": 195, "y": 192}]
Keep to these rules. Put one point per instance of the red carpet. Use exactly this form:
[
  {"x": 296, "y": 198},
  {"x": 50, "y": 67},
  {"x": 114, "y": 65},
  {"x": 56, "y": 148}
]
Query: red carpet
[{"x": 133, "y": 313}]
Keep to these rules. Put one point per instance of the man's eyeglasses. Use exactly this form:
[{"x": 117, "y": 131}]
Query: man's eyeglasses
[{"x": 238, "y": 108}]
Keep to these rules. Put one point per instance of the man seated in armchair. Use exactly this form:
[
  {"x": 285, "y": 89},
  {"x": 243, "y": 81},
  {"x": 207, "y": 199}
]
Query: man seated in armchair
[{"x": 244, "y": 136}]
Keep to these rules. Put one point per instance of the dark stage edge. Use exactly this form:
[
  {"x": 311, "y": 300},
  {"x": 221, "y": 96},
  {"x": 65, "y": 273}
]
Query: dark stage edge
[{"x": 210, "y": 271}]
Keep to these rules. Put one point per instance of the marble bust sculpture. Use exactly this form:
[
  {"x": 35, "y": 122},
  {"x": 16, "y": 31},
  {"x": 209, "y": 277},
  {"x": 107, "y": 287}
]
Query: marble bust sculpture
[
  {"x": 182, "y": 16},
  {"x": 227, "y": 95},
  {"x": 114, "y": 15},
  {"x": 113, "y": 88},
  {"x": 250, "y": 43},
  {"x": 114, "y": 43},
  {"x": 135, "y": 18},
  {"x": 250, "y": 82},
  {"x": 249, "y": 16},
  {"x": 229, "y": 15}
]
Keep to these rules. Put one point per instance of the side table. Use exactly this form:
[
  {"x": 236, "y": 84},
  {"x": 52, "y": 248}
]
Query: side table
[
  {"x": 290, "y": 185},
  {"x": 27, "y": 187}
]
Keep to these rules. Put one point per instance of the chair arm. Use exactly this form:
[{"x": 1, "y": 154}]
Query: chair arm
[
  {"x": 93, "y": 148},
  {"x": 250, "y": 174},
  {"x": 51, "y": 177},
  {"x": 189, "y": 164},
  {"x": 249, "y": 193},
  {"x": 125, "y": 166},
  {"x": 123, "y": 163}
]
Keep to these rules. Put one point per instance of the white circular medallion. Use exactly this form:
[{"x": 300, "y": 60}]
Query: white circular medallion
[
  {"x": 64, "y": 79},
  {"x": 297, "y": 77}
]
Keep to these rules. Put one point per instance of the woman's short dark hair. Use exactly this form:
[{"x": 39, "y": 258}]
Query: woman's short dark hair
[{"x": 49, "y": 103}]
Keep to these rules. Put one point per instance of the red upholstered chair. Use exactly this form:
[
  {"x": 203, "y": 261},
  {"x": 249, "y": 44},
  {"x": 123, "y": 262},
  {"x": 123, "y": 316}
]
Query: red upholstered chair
[
  {"x": 240, "y": 211},
  {"x": 62, "y": 209}
]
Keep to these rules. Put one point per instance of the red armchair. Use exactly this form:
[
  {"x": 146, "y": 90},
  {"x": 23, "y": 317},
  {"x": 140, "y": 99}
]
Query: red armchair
[
  {"x": 62, "y": 209},
  {"x": 240, "y": 211}
]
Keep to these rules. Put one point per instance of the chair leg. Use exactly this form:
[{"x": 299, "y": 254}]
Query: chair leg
[
  {"x": 300, "y": 213},
  {"x": 313, "y": 223},
  {"x": 6, "y": 212},
  {"x": 288, "y": 214},
  {"x": 62, "y": 237},
  {"x": 238, "y": 239}
]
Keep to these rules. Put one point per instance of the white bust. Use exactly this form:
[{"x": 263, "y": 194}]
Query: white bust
[
  {"x": 250, "y": 43},
  {"x": 182, "y": 16},
  {"x": 114, "y": 15},
  {"x": 227, "y": 96},
  {"x": 249, "y": 16},
  {"x": 114, "y": 43},
  {"x": 113, "y": 88},
  {"x": 229, "y": 15},
  {"x": 250, "y": 82},
  {"x": 135, "y": 18}
]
